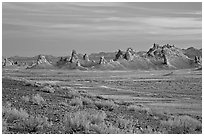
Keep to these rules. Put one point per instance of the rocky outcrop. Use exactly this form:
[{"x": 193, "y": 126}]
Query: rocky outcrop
[
  {"x": 7, "y": 62},
  {"x": 42, "y": 59},
  {"x": 119, "y": 55},
  {"x": 74, "y": 57},
  {"x": 157, "y": 57},
  {"x": 197, "y": 59},
  {"x": 129, "y": 54},
  {"x": 78, "y": 64},
  {"x": 102, "y": 60},
  {"x": 41, "y": 63},
  {"x": 86, "y": 57}
]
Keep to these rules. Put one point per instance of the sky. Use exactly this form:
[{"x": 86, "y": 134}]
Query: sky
[{"x": 30, "y": 29}]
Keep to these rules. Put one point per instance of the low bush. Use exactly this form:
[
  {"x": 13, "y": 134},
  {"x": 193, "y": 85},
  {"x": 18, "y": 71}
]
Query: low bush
[
  {"x": 110, "y": 105},
  {"x": 19, "y": 121},
  {"x": 12, "y": 114},
  {"x": 34, "y": 99},
  {"x": 26, "y": 98},
  {"x": 183, "y": 124},
  {"x": 72, "y": 94},
  {"x": 105, "y": 129},
  {"x": 86, "y": 101},
  {"x": 76, "y": 102},
  {"x": 76, "y": 122},
  {"x": 31, "y": 124},
  {"x": 31, "y": 83},
  {"x": 63, "y": 104},
  {"x": 90, "y": 122},
  {"x": 4, "y": 127},
  {"x": 47, "y": 89},
  {"x": 37, "y": 99},
  {"x": 81, "y": 121},
  {"x": 139, "y": 107}
]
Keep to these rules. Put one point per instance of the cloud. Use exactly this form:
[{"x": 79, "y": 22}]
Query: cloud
[
  {"x": 96, "y": 4},
  {"x": 173, "y": 22}
]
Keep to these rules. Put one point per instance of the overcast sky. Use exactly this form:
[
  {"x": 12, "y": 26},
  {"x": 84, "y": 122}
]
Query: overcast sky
[{"x": 55, "y": 29}]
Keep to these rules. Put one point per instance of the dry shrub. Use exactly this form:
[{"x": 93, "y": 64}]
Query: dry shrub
[
  {"x": 12, "y": 114},
  {"x": 104, "y": 129},
  {"x": 72, "y": 94},
  {"x": 125, "y": 124},
  {"x": 81, "y": 121},
  {"x": 63, "y": 104},
  {"x": 26, "y": 98},
  {"x": 86, "y": 101},
  {"x": 183, "y": 124},
  {"x": 4, "y": 127},
  {"x": 76, "y": 102},
  {"x": 34, "y": 99},
  {"x": 32, "y": 124},
  {"x": 47, "y": 89},
  {"x": 76, "y": 122},
  {"x": 139, "y": 107},
  {"x": 37, "y": 99},
  {"x": 20, "y": 121},
  {"x": 110, "y": 105},
  {"x": 89, "y": 122},
  {"x": 31, "y": 83}
]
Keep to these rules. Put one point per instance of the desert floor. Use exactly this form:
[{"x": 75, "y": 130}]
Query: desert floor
[{"x": 164, "y": 101}]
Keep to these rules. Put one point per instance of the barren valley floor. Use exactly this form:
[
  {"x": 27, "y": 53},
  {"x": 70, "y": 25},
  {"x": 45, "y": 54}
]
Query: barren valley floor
[{"x": 158, "y": 99}]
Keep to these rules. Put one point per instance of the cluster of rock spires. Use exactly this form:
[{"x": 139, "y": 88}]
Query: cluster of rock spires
[
  {"x": 158, "y": 57},
  {"x": 128, "y": 55},
  {"x": 41, "y": 63},
  {"x": 7, "y": 62}
]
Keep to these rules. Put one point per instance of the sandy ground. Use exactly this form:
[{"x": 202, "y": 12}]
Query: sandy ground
[{"x": 170, "y": 92}]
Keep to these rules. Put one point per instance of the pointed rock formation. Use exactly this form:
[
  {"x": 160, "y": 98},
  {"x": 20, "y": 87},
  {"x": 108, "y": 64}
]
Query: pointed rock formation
[
  {"x": 78, "y": 64},
  {"x": 198, "y": 60},
  {"x": 7, "y": 62},
  {"x": 86, "y": 57},
  {"x": 102, "y": 60},
  {"x": 42, "y": 60},
  {"x": 74, "y": 57},
  {"x": 119, "y": 55},
  {"x": 129, "y": 55},
  {"x": 41, "y": 63}
]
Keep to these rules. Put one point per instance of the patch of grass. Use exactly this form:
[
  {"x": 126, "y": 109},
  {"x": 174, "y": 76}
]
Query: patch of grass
[
  {"x": 125, "y": 124},
  {"x": 37, "y": 99},
  {"x": 72, "y": 94},
  {"x": 83, "y": 121},
  {"x": 4, "y": 127},
  {"x": 110, "y": 105},
  {"x": 31, "y": 83},
  {"x": 98, "y": 117},
  {"x": 86, "y": 101},
  {"x": 12, "y": 114},
  {"x": 63, "y": 104},
  {"x": 47, "y": 89},
  {"x": 76, "y": 102},
  {"x": 19, "y": 121},
  {"x": 76, "y": 122},
  {"x": 89, "y": 122},
  {"x": 183, "y": 124},
  {"x": 26, "y": 98},
  {"x": 139, "y": 107},
  {"x": 31, "y": 124},
  {"x": 106, "y": 129}
]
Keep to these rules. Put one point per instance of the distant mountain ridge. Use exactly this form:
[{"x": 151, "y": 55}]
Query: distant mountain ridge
[{"x": 191, "y": 52}]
